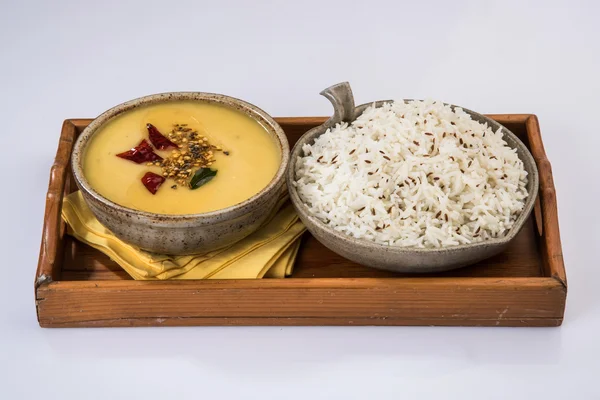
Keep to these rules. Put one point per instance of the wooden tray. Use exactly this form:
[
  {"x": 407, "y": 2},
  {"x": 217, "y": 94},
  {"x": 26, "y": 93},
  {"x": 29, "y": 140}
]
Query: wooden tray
[{"x": 526, "y": 285}]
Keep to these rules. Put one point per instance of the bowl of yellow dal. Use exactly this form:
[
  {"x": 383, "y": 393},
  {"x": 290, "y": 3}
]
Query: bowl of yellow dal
[{"x": 183, "y": 172}]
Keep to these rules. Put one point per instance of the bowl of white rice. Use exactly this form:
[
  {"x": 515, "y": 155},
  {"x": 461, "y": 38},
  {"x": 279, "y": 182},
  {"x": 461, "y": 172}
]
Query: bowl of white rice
[{"x": 411, "y": 185}]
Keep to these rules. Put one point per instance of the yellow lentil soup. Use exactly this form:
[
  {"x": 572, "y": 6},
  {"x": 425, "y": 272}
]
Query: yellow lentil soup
[{"x": 181, "y": 157}]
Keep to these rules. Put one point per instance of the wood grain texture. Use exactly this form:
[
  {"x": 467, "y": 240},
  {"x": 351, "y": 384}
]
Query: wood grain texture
[
  {"x": 491, "y": 299},
  {"x": 311, "y": 321},
  {"x": 53, "y": 229},
  {"x": 551, "y": 245},
  {"x": 524, "y": 286},
  {"x": 521, "y": 259}
]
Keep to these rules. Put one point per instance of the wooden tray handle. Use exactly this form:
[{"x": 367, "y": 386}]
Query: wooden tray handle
[
  {"x": 546, "y": 205},
  {"x": 51, "y": 232}
]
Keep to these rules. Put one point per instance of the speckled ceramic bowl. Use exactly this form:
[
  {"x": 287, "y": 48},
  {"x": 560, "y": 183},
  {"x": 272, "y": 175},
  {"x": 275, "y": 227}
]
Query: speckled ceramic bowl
[
  {"x": 189, "y": 233},
  {"x": 394, "y": 258}
]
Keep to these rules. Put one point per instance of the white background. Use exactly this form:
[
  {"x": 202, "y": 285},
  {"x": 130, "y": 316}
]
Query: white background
[{"x": 75, "y": 59}]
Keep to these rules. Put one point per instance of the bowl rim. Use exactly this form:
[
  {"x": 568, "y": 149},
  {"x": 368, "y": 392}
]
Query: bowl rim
[
  {"x": 305, "y": 215},
  {"x": 252, "y": 111}
]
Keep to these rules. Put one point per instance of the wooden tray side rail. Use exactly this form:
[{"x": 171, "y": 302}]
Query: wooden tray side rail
[
  {"x": 53, "y": 230},
  {"x": 525, "y": 296},
  {"x": 547, "y": 214}
]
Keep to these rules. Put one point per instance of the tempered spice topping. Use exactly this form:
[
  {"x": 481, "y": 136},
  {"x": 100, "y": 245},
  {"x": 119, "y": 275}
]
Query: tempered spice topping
[
  {"x": 157, "y": 139},
  {"x": 193, "y": 152},
  {"x": 141, "y": 153},
  {"x": 152, "y": 181}
]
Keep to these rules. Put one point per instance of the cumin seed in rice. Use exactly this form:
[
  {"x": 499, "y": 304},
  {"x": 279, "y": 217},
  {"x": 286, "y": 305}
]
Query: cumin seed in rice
[{"x": 324, "y": 190}]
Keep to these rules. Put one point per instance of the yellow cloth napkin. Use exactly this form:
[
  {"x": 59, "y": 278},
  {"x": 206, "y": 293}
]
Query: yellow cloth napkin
[{"x": 267, "y": 253}]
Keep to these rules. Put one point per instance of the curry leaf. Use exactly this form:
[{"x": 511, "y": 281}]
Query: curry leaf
[{"x": 202, "y": 176}]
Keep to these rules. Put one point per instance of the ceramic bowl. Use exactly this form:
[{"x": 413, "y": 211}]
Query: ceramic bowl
[
  {"x": 188, "y": 233},
  {"x": 394, "y": 258}
]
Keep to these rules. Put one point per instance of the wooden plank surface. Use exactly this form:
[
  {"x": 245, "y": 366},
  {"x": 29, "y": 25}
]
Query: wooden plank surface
[
  {"x": 481, "y": 299},
  {"x": 311, "y": 321},
  {"x": 521, "y": 259}
]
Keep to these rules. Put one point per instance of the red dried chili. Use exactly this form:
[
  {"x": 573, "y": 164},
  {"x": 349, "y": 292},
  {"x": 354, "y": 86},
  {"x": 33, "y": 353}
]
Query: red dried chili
[
  {"x": 141, "y": 153},
  {"x": 158, "y": 139},
  {"x": 152, "y": 181}
]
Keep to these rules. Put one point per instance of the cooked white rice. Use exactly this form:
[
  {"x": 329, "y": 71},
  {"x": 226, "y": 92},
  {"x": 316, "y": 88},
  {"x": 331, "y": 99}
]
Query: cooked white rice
[{"x": 413, "y": 175}]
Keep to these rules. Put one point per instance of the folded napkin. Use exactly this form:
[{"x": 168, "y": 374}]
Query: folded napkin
[{"x": 267, "y": 253}]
